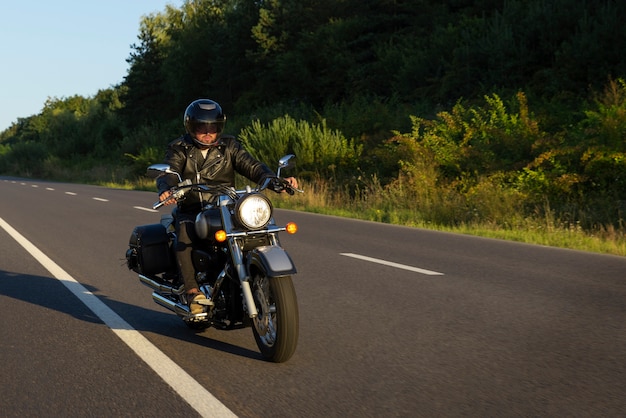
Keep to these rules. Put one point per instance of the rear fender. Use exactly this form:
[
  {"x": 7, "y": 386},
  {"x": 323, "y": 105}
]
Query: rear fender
[{"x": 272, "y": 259}]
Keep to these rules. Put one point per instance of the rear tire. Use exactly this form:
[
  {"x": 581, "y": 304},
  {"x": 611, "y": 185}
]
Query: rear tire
[{"x": 276, "y": 327}]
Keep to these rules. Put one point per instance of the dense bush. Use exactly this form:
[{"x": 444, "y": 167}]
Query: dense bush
[{"x": 320, "y": 151}]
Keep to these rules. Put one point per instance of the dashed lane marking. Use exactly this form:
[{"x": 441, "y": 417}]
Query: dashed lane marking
[{"x": 392, "y": 264}]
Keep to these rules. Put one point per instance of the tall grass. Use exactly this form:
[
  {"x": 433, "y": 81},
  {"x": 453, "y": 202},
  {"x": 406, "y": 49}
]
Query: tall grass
[{"x": 396, "y": 205}]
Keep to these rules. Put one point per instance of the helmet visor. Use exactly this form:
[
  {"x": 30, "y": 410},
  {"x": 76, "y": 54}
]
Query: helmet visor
[{"x": 200, "y": 128}]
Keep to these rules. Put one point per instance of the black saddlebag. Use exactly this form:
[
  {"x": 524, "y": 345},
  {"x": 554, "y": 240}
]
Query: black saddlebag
[{"x": 149, "y": 250}]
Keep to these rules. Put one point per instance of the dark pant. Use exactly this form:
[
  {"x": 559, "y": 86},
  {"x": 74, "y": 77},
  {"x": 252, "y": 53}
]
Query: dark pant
[{"x": 186, "y": 233}]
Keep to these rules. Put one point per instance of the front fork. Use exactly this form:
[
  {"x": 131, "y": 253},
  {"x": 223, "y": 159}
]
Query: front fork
[
  {"x": 239, "y": 265},
  {"x": 244, "y": 277}
]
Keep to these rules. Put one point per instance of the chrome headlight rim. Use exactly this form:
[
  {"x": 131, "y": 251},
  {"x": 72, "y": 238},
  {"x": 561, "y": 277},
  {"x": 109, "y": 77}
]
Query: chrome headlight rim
[{"x": 253, "y": 211}]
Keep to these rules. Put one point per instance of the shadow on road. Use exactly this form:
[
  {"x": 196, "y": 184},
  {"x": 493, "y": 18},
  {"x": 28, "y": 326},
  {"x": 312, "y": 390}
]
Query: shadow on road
[{"x": 50, "y": 293}]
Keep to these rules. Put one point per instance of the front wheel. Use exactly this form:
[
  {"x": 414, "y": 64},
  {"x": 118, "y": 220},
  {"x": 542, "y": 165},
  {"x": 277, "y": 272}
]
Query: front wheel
[{"x": 276, "y": 325}]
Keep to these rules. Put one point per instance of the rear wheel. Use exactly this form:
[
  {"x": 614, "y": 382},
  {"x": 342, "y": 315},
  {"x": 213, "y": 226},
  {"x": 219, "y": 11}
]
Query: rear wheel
[{"x": 277, "y": 323}]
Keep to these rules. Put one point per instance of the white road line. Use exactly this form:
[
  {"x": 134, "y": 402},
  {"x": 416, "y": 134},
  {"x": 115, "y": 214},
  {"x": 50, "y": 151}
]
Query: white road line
[
  {"x": 146, "y": 209},
  {"x": 49, "y": 188},
  {"x": 188, "y": 388},
  {"x": 392, "y": 264},
  {"x": 71, "y": 193},
  {"x": 99, "y": 199}
]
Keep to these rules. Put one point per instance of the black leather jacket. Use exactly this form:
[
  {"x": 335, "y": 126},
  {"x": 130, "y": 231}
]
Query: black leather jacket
[{"x": 222, "y": 161}]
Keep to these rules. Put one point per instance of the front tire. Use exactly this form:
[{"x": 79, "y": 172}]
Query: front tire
[{"x": 276, "y": 326}]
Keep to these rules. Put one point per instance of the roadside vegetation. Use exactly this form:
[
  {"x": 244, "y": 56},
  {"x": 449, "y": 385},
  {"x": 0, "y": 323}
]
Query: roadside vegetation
[{"x": 473, "y": 117}]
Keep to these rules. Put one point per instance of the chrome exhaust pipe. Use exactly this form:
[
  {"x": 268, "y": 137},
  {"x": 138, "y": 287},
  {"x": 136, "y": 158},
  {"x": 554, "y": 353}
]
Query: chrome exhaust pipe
[
  {"x": 178, "y": 308},
  {"x": 156, "y": 286}
]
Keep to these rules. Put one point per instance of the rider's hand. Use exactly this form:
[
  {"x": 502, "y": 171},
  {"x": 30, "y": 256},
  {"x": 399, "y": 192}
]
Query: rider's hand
[
  {"x": 292, "y": 181},
  {"x": 163, "y": 196}
]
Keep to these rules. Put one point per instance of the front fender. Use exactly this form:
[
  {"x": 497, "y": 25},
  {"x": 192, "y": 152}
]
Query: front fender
[{"x": 272, "y": 259}]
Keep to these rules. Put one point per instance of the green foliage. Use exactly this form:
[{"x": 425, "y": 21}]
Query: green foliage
[
  {"x": 581, "y": 172},
  {"x": 145, "y": 99},
  {"x": 605, "y": 126},
  {"x": 319, "y": 149},
  {"x": 466, "y": 142},
  {"x": 146, "y": 157},
  {"x": 23, "y": 158}
]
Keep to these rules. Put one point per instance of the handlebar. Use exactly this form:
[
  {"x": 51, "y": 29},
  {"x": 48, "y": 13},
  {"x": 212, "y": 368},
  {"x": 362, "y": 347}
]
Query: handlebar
[
  {"x": 279, "y": 184},
  {"x": 159, "y": 204},
  {"x": 276, "y": 184}
]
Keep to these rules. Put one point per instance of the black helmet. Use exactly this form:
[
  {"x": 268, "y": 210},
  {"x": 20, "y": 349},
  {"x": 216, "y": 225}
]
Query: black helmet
[{"x": 204, "y": 114}]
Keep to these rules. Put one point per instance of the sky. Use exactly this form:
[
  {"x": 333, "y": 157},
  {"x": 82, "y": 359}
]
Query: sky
[{"x": 63, "y": 48}]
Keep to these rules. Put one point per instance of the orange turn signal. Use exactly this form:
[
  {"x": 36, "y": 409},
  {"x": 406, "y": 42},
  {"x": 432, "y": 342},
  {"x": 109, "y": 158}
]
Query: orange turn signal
[
  {"x": 220, "y": 236},
  {"x": 291, "y": 228}
]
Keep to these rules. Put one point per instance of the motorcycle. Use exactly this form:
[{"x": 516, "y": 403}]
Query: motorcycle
[{"x": 240, "y": 265}]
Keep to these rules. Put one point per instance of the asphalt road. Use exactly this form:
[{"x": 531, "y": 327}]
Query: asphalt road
[{"x": 394, "y": 322}]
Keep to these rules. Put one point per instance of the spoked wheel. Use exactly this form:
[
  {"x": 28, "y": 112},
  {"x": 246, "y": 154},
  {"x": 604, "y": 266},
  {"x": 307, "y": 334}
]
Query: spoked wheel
[{"x": 276, "y": 326}]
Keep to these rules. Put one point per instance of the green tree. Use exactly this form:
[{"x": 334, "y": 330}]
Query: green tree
[{"x": 143, "y": 94}]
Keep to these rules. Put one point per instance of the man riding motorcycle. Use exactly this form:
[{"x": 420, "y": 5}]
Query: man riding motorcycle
[{"x": 203, "y": 155}]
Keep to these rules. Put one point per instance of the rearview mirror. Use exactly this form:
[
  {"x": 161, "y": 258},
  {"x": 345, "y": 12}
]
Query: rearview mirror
[
  {"x": 158, "y": 170},
  {"x": 285, "y": 162}
]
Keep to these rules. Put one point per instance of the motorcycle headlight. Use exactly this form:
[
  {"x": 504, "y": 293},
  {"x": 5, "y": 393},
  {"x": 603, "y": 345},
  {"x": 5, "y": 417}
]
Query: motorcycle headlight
[{"x": 253, "y": 211}]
